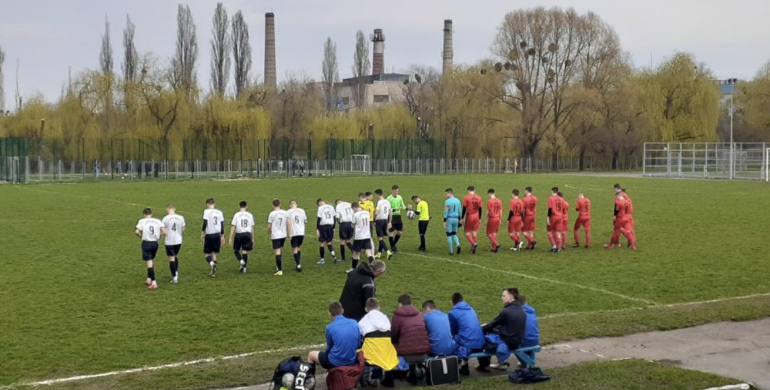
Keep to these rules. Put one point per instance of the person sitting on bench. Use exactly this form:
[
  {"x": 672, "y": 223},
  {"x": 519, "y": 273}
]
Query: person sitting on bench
[
  {"x": 439, "y": 330},
  {"x": 510, "y": 325},
  {"x": 378, "y": 349},
  {"x": 466, "y": 330},
  {"x": 341, "y": 341},
  {"x": 409, "y": 335}
]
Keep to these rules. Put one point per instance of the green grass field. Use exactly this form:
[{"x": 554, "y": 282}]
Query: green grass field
[{"x": 72, "y": 298}]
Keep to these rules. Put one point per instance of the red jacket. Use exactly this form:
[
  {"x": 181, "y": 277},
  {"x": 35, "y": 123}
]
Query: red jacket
[
  {"x": 408, "y": 332},
  {"x": 345, "y": 378}
]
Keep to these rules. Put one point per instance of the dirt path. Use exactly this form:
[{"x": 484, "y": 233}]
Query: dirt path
[{"x": 739, "y": 350}]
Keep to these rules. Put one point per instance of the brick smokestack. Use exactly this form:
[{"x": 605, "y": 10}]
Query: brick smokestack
[
  {"x": 378, "y": 64},
  {"x": 448, "y": 53},
  {"x": 270, "y": 78}
]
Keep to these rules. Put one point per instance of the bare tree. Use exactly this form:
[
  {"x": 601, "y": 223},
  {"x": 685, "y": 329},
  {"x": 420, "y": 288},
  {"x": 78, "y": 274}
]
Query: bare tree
[
  {"x": 186, "y": 52},
  {"x": 130, "y": 56},
  {"x": 331, "y": 74},
  {"x": 2, "y": 81},
  {"x": 220, "y": 51},
  {"x": 361, "y": 67},
  {"x": 241, "y": 53},
  {"x": 105, "y": 56}
]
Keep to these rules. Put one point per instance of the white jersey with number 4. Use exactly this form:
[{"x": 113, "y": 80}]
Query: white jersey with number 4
[
  {"x": 243, "y": 222},
  {"x": 150, "y": 228},
  {"x": 214, "y": 219},
  {"x": 174, "y": 225},
  {"x": 383, "y": 210},
  {"x": 344, "y": 212},
  {"x": 277, "y": 220},
  {"x": 297, "y": 219},
  {"x": 326, "y": 213},
  {"x": 361, "y": 223}
]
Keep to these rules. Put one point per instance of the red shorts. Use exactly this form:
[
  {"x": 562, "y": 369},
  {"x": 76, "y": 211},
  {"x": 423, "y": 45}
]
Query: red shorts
[
  {"x": 622, "y": 223},
  {"x": 584, "y": 222},
  {"x": 555, "y": 224},
  {"x": 564, "y": 224},
  {"x": 529, "y": 223},
  {"x": 515, "y": 225},
  {"x": 472, "y": 224},
  {"x": 493, "y": 226}
]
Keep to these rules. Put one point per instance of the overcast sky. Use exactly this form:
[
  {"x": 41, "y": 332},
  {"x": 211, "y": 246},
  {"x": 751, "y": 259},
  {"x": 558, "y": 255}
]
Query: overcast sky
[{"x": 48, "y": 37}]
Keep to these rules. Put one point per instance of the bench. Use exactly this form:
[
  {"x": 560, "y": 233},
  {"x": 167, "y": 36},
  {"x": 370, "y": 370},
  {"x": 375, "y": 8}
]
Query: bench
[{"x": 526, "y": 355}]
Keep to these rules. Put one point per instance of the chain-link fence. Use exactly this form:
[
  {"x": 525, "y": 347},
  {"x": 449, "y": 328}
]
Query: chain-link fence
[{"x": 747, "y": 161}]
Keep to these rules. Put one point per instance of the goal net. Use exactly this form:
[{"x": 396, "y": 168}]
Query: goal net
[{"x": 360, "y": 163}]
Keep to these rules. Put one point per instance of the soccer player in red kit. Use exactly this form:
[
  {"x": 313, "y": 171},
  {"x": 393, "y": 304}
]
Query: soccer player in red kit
[
  {"x": 494, "y": 214},
  {"x": 515, "y": 220},
  {"x": 621, "y": 225},
  {"x": 564, "y": 221},
  {"x": 530, "y": 211},
  {"x": 631, "y": 222},
  {"x": 583, "y": 220},
  {"x": 471, "y": 217},
  {"x": 555, "y": 214}
]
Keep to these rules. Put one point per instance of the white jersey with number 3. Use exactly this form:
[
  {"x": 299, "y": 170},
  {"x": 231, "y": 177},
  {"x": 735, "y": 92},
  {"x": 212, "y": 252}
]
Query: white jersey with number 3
[
  {"x": 297, "y": 219},
  {"x": 361, "y": 223},
  {"x": 214, "y": 219},
  {"x": 326, "y": 213},
  {"x": 383, "y": 210},
  {"x": 150, "y": 228},
  {"x": 174, "y": 225},
  {"x": 277, "y": 220}
]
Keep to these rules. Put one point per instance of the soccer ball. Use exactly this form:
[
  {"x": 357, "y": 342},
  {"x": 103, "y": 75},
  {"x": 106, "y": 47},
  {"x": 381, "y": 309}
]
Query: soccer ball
[{"x": 410, "y": 214}]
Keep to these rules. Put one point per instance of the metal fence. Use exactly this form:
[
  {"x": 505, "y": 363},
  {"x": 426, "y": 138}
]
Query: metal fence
[
  {"x": 39, "y": 170},
  {"x": 748, "y": 161}
]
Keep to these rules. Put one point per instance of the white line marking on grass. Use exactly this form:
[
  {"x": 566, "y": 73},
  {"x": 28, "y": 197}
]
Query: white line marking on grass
[
  {"x": 594, "y": 289},
  {"x": 157, "y": 368}
]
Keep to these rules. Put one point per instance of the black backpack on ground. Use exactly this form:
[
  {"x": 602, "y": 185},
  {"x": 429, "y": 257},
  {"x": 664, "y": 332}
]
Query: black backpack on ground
[{"x": 442, "y": 370}]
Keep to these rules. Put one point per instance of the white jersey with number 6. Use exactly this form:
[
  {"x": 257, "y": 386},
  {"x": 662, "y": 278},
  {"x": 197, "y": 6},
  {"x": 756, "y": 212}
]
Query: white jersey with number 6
[
  {"x": 150, "y": 228},
  {"x": 361, "y": 222},
  {"x": 345, "y": 212},
  {"x": 326, "y": 213},
  {"x": 174, "y": 225},
  {"x": 214, "y": 219},
  {"x": 383, "y": 210},
  {"x": 297, "y": 219},
  {"x": 277, "y": 220},
  {"x": 243, "y": 222}
]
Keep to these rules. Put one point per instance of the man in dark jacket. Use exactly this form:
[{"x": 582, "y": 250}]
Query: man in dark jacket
[
  {"x": 510, "y": 325},
  {"x": 359, "y": 287},
  {"x": 410, "y": 336}
]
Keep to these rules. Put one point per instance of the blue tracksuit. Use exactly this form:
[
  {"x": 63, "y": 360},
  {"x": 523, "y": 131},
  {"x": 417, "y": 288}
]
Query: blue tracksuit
[
  {"x": 466, "y": 329},
  {"x": 532, "y": 330},
  {"x": 439, "y": 333}
]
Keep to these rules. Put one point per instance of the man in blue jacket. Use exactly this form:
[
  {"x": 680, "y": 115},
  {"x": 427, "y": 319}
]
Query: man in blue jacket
[
  {"x": 466, "y": 330},
  {"x": 439, "y": 330},
  {"x": 341, "y": 341},
  {"x": 532, "y": 330}
]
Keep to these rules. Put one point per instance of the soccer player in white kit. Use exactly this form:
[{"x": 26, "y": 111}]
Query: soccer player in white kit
[
  {"x": 297, "y": 222},
  {"x": 344, "y": 213},
  {"x": 383, "y": 217},
  {"x": 277, "y": 226},
  {"x": 362, "y": 235},
  {"x": 212, "y": 234},
  {"x": 324, "y": 229},
  {"x": 242, "y": 235},
  {"x": 150, "y": 230},
  {"x": 174, "y": 225}
]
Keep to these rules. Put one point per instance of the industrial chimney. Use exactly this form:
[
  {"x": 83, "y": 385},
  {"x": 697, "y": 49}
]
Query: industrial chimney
[
  {"x": 270, "y": 78},
  {"x": 378, "y": 65},
  {"x": 448, "y": 53}
]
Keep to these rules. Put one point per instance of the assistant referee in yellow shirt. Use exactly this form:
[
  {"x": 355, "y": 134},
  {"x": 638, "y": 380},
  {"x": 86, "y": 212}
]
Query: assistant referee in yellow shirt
[{"x": 423, "y": 213}]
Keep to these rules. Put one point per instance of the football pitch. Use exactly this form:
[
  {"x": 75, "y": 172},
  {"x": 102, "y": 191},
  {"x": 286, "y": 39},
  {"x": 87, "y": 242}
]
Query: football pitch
[{"x": 73, "y": 302}]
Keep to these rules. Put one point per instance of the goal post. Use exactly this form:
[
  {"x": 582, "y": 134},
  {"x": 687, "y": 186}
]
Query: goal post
[
  {"x": 360, "y": 164},
  {"x": 767, "y": 165}
]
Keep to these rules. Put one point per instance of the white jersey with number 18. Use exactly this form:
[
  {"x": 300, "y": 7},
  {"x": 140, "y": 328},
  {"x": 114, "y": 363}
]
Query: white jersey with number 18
[
  {"x": 243, "y": 222},
  {"x": 277, "y": 220},
  {"x": 174, "y": 225},
  {"x": 361, "y": 222}
]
